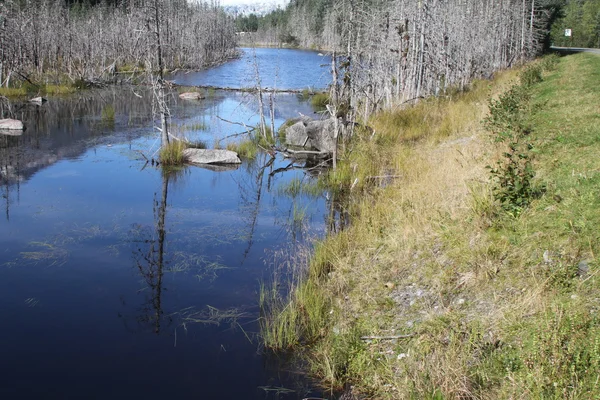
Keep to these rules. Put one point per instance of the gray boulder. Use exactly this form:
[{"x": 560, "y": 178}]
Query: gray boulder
[
  {"x": 312, "y": 134},
  {"x": 211, "y": 156},
  {"x": 295, "y": 134},
  {"x": 191, "y": 96},
  {"x": 11, "y": 124},
  {"x": 322, "y": 135}
]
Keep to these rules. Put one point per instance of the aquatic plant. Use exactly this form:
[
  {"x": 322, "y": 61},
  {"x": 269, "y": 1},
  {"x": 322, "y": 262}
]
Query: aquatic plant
[
  {"x": 172, "y": 154},
  {"x": 319, "y": 101}
]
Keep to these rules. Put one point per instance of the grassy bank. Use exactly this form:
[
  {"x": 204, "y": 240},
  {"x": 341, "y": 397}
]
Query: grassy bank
[{"x": 469, "y": 270}]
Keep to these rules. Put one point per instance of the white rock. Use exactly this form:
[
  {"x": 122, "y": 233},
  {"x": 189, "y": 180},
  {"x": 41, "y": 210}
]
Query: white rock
[
  {"x": 38, "y": 100},
  {"x": 191, "y": 96},
  {"x": 546, "y": 257},
  {"x": 211, "y": 156},
  {"x": 11, "y": 124}
]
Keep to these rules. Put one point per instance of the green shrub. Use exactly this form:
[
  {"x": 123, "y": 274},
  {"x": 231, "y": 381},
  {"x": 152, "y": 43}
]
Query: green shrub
[
  {"x": 550, "y": 62},
  {"x": 531, "y": 75},
  {"x": 513, "y": 178},
  {"x": 508, "y": 123}
]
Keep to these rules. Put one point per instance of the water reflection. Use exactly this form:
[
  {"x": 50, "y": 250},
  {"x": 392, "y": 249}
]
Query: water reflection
[
  {"x": 91, "y": 234},
  {"x": 149, "y": 257},
  {"x": 281, "y": 68},
  {"x": 65, "y": 128},
  {"x": 250, "y": 189}
]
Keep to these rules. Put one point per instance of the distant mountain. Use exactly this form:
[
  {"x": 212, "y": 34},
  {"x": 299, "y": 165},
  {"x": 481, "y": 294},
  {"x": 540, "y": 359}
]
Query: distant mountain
[{"x": 247, "y": 7}]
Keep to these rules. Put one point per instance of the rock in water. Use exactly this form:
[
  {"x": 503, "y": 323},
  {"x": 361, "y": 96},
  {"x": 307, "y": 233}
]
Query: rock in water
[
  {"x": 295, "y": 135},
  {"x": 38, "y": 100},
  {"x": 211, "y": 156},
  {"x": 191, "y": 96},
  {"x": 314, "y": 134},
  {"x": 321, "y": 135},
  {"x": 11, "y": 124}
]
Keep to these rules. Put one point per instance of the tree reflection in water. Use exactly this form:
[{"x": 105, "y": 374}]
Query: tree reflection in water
[
  {"x": 149, "y": 257},
  {"x": 250, "y": 195}
]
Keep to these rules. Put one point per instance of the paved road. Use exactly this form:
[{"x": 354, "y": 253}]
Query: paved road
[{"x": 572, "y": 50}]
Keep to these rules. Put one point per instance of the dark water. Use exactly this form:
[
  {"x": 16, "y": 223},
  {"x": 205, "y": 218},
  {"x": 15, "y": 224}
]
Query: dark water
[
  {"x": 120, "y": 281},
  {"x": 279, "y": 68}
]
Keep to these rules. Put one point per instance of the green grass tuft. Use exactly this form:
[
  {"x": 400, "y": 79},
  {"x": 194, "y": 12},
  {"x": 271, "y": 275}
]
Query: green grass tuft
[
  {"x": 319, "y": 101},
  {"x": 172, "y": 154}
]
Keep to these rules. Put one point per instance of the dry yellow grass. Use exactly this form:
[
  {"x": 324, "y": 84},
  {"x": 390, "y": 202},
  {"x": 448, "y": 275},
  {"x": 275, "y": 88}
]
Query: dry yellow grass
[{"x": 487, "y": 300}]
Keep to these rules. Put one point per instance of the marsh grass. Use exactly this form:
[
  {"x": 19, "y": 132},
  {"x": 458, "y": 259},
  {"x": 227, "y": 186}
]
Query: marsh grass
[
  {"x": 281, "y": 132},
  {"x": 194, "y": 126},
  {"x": 246, "y": 148},
  {"x": 300, "y": 186},
  {"x": 198, "y": 144},
  {"x": 42, "y": 253},
  {"x": 319, "y": 101},
  {"x": 58, "y": 89},
  {"x": 172, "y": 154},
  {"x": 306, "y": 94},
  {"x": 256, "y": 142},
  {"x": 27, "y": 89},
  {"x": 108, "y": 116},
  {"x": 495, "y": 305},
  {"x": 13, "y": 91}
]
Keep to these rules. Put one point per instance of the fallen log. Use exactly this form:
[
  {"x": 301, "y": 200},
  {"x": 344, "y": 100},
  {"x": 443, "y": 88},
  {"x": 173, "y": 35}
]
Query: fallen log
[
  {"x": 304, "y": 153},
  {"x": 242, "y": 89}
]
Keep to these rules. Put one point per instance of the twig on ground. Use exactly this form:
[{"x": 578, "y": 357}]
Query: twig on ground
[{"x": 386, "y": 337}]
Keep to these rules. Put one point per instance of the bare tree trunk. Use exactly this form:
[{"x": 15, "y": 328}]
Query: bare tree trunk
[
  {"x": 261, "y": 109},
  {"x": 272, "y": 111},
  {"x": 161, "y": 83},
  {"x": 333, "y": 106}
]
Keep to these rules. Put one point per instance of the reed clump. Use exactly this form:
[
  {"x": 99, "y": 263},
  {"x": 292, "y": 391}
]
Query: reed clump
[
  {"x": 319, "y": 101},
  {"x": 172, "y": 153},
  {"x": 256, "y": 141}
]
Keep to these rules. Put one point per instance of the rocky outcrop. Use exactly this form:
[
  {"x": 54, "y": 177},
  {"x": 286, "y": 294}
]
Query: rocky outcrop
[
  {"x": 191, "y": 96},
  {"x": 211, "y": 156},
  {"x": 11, "y": 124}
]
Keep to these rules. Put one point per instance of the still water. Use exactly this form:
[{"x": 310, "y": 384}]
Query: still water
[
  {"x": 120, "y": 281},
  {"x": 277, "y": 68}
]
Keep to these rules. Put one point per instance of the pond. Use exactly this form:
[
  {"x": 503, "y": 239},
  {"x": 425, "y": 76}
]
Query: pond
[
  {"x": 276, "y": 68},
  {"x": 121, "y": 281}
]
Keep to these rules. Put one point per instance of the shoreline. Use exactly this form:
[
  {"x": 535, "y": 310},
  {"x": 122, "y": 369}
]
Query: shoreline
[{"x": 435, "y": 288}]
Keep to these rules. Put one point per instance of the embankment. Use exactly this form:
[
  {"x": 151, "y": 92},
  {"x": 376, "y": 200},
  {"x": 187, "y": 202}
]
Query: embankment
[{"x": 469, "y": 269}]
